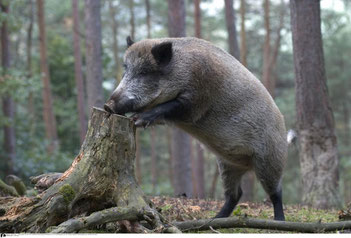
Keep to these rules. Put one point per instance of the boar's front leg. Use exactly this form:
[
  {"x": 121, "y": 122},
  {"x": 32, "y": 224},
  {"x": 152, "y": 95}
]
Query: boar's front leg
[{"x": 169, "y": 110}]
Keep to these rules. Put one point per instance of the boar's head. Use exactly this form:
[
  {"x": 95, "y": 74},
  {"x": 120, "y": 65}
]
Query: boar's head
[{"x": 147, "y": 80}]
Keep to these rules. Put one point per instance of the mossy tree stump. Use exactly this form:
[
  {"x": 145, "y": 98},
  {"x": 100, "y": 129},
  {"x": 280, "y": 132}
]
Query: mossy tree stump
[{"x": 100, "y": 177}]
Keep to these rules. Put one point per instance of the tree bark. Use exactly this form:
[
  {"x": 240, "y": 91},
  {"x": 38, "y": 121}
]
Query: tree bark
[
  {"x": 100, "y": 177},
  {"x": 79, "y": 73},
  {"x": 115, "y": 27},
  {"x": 214, "y": 183},
  {"x": 93, "y": 54},
  {"x": 232, "y": 34},
  {"x": 200, "y": 171},
  {"x": 31, "y": 110},
  {"x": 49, "y": 118},
  {"x": 243, "y": 49},
  {"x": 267, "y": 69},
  {"x": 137, "y": 158},
  {"x": 8, "y": 105},
  {"x": 318, "y": 146},
  {"x": 148, "y": 18},
  {"x": 181, "y": 147},
  {"x": 197, "y": 18},
  {"x": 154, "y": 168},
  {"x": 242, "y": 222},
  {"x": 176, "y": 18},
  {"x": 132, "y": 19}
]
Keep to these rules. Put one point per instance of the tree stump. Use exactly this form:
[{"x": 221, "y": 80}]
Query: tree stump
[{"x": 101, "y": 178}]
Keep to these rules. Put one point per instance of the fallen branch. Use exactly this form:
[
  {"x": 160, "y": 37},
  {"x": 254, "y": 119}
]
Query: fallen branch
[{"x": 243, "y": 222}]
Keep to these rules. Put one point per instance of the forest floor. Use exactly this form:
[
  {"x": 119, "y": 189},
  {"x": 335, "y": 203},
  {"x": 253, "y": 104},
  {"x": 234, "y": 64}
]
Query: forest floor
[{"x": 182, "y": 209}]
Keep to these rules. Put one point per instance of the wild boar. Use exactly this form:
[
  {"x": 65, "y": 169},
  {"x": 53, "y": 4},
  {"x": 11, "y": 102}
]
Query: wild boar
[{"x": 200, "y": 88}]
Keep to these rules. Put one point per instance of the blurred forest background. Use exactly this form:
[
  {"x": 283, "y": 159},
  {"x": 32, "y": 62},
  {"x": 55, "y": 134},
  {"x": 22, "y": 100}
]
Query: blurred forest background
[{"x": 54, "y": 69}]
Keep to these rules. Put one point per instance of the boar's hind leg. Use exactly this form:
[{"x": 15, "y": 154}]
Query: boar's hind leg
[
  {"x": 270, "y": 176},
  {"x": 231, "y": 177}
]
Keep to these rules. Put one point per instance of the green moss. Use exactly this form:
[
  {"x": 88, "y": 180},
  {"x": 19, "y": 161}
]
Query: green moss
[
  {"x": 167, "y": 207},
  {"x": 49, "y": 229},
  {"x": 237, "y": 211},
  {"x": 67, "y": 192}
]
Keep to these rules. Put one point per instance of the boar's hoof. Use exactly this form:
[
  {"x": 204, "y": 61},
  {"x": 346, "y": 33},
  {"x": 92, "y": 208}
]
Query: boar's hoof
[{"x": 144, "y": 119}]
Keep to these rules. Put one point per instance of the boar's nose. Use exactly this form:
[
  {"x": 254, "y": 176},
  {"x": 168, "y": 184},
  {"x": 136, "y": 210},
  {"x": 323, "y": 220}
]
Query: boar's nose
[{"x": 109, "y": 106}]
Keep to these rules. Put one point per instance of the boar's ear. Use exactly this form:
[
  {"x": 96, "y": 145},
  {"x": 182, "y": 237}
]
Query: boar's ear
[
  {"x": 162, "y": 53},
  {"x": 129, "y": 42}
]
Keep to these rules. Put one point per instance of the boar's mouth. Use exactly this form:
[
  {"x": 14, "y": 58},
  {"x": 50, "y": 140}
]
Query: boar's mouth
[{"x": 121, "y": 108}]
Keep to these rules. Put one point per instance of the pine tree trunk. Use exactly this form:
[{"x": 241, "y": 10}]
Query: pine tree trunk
[
  {"x": 267, "y": 69},
  {"x": 232, "y": 34},
  {"x": 213, "y": 188},
  {"x": 93, "y": 54},
  {"x": 243, "y": 49},
  {"x": 29, "y": 42},
  {"x": 8, "y": 105},
  {"x": 79, "y": 73},
  {"x": 132, "y": 19},
  {"x": 148, "y": 18},
  {"x": 197, "y": 18},
  {"x": 115, "y": 27},
  {"x": 318, "y": 146},
  {"x": 100, "y": 177},
  {"x": 49, "y": 118},
  {"x": 154, "y": 169}
]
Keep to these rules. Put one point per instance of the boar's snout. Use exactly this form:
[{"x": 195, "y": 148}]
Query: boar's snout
[
  {"x": 109, "y": 106},
  {"x": 122, "y": 106}
]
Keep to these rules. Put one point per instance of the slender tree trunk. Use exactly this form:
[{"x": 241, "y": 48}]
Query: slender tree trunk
[
  {"x": 8, "y": 105},
  {"x": 132, "y": 19},
  {"x": 197, "y": 16},
  {"x": 181, "y": 143},
  {"x": 318, "y": 146},
  {"x": 170, "y": 163},
  {"x": 31, "y": 110},
  {"x": 115, "y": 27},
  {"x": 200, "y": 171},
  {"x": 154, "y": 168},
  {"x": 93, "y": 54},
  {"x": 267, "y": 69},
  {"x": 243, "y": 49},
  {"x": 232, "y": 34},
  {"x": 214, "y": 183},
  {"x": 148, "y": 18},
  {"x": 49, "y": 118},
  {"x": 176, "y": 18},
  {"x": 346, "y": 118},
  {"x": 79, "y": 73},
  {"x": 137, "y": 158}
]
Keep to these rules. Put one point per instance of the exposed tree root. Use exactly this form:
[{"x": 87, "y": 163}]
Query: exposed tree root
[{"x": 242, "y": 222}]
